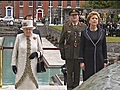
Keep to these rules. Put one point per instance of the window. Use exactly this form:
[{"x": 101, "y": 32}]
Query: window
[
  {"x": 21, "y": 12},
  {"x": 21, "y": 3},
  {"x": 30, "y": 11},
  {"x": 30, "y": 3},
  {"x": 9, "y": 2},
  {"x": 50, "y": 3},
  {"x": 9, "y": 12},
  {"x": 39, "y": 3},
  {"x": 77, "y": 3},
  {"x": 59, "y": 3},
  {"x": 0, "y": 2},
  {"x": 69, "y": 3}
]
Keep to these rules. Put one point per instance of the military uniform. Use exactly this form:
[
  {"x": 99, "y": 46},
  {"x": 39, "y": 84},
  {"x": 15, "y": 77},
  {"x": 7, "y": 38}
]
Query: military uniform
[{"x": 69, "y": 45}]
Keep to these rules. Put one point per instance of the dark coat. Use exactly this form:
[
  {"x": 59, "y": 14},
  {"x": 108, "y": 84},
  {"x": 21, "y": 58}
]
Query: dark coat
[
  {"x": 36, "y": 31},
  {"x": 94, "y": 55}
]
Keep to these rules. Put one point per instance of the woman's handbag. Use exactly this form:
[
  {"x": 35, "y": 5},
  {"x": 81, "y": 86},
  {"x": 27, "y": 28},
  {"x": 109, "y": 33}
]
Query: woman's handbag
[{"x": 40, "y": 66}]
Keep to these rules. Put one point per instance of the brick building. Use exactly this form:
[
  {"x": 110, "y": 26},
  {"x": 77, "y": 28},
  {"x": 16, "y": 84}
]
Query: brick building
[{"x": 39, "y": 9}]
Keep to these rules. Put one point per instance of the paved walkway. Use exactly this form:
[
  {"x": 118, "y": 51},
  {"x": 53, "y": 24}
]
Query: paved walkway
[
  {"x": 53, "y": 57},
  {"x": 46, "y": 87}
]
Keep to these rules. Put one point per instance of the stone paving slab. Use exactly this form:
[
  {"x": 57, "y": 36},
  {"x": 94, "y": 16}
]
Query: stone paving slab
[
  {"x": 52, "y": 57},
  {"x": 47, "y": 44},
  {"x": 44, "y": 87},
  {"x": 1, "y": 40}
]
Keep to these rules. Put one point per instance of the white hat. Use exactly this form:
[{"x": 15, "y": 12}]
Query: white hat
[{"x": 27, "y": 24}]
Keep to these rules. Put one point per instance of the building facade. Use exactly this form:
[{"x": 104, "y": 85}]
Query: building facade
[{"x": 50, "y": 9}]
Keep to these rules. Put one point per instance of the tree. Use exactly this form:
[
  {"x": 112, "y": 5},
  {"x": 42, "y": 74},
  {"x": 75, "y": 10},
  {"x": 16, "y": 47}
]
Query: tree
[
  {"x": 102, "y": 4},
  {"x": 116, "y": 4}
]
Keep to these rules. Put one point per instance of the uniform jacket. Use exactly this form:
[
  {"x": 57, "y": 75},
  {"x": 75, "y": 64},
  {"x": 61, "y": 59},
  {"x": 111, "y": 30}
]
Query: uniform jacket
[
  {"x": 20, "y": 53},
  {"x": 94, "y": 55},
  {"x": 70, "y": 40}
]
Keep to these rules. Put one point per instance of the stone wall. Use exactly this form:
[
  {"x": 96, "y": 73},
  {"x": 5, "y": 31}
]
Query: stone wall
[
  {"x": 106, "y": 79},
  {"x": 54, "y": 32},
  {"x": 113, "y": 49}
]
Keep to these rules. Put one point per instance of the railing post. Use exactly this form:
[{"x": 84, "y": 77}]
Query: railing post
[
  {"x": 1, "y": 60},
  {"x": 1, "y": 63}
]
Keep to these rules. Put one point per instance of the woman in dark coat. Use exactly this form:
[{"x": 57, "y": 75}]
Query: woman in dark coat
[{"x": 93, "y": 50}]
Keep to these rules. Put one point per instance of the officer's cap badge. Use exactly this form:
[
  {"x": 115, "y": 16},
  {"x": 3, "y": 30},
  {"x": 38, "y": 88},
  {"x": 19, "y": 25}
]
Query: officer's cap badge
[{"x": 74, "y": 11}]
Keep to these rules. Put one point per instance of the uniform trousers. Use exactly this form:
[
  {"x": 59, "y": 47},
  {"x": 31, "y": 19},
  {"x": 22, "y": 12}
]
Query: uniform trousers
[{"x": 73, "y": 73}]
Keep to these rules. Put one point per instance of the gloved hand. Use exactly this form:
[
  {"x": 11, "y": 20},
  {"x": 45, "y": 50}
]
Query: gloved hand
[
  {"x": 41, "y": 56},
  {"x": 14, "y": 68},
  {"x": 33, "y": 55}
]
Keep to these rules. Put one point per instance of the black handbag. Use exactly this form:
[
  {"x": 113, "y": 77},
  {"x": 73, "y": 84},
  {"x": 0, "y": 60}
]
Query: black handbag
[{"x": 40, "y": 66}]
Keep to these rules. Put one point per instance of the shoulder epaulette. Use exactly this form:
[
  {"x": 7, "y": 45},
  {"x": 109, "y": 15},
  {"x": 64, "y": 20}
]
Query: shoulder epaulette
[{"x": 69, "y": 23}]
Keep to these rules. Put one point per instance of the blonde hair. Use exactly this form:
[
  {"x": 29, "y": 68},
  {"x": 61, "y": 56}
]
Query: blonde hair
[{"x": 91, "y": 14}]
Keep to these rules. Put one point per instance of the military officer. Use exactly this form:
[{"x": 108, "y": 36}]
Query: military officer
[{"x": 69, "y": 47}]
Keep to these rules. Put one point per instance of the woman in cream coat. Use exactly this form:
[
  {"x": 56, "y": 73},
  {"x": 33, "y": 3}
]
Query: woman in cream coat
[{"x": 27, "y": 49}]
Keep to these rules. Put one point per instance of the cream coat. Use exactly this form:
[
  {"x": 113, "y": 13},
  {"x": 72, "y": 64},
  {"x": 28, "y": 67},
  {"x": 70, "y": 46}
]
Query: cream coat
[{"x": 19, "y": 59}]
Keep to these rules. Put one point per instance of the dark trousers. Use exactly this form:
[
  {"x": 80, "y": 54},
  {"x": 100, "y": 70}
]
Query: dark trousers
[{"x": 73, "y": 73}]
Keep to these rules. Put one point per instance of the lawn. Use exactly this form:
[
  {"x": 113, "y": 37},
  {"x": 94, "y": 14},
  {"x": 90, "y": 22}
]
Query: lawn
[
  {"x": 113, "y": 39},
  {"x": 108, "y": 39},
  {"x": 57, "y": 27}
]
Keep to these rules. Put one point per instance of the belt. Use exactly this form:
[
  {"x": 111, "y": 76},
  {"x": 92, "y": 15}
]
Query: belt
[{"x": 75, "y": 44}]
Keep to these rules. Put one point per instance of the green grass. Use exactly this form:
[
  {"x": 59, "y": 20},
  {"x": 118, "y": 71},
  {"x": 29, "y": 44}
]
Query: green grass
[
  {"x": 108, "y": 39},
  {"x": 57, "y": 27},
  {"x": 113, "y": 39}
]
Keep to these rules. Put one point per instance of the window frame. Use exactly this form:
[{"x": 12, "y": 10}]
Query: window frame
[
  {"x": 30, "y": 3},
  {"x": 21, "y": 4}
]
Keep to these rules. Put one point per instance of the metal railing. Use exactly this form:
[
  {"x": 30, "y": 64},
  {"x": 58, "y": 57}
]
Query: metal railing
[
  {"x": 43, "y": 48},
  {"x": 1, "y": 59}
]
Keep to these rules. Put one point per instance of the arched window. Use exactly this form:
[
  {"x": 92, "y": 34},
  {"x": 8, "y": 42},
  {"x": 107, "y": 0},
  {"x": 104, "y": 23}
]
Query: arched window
[{"x": 9, "y": 11}]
